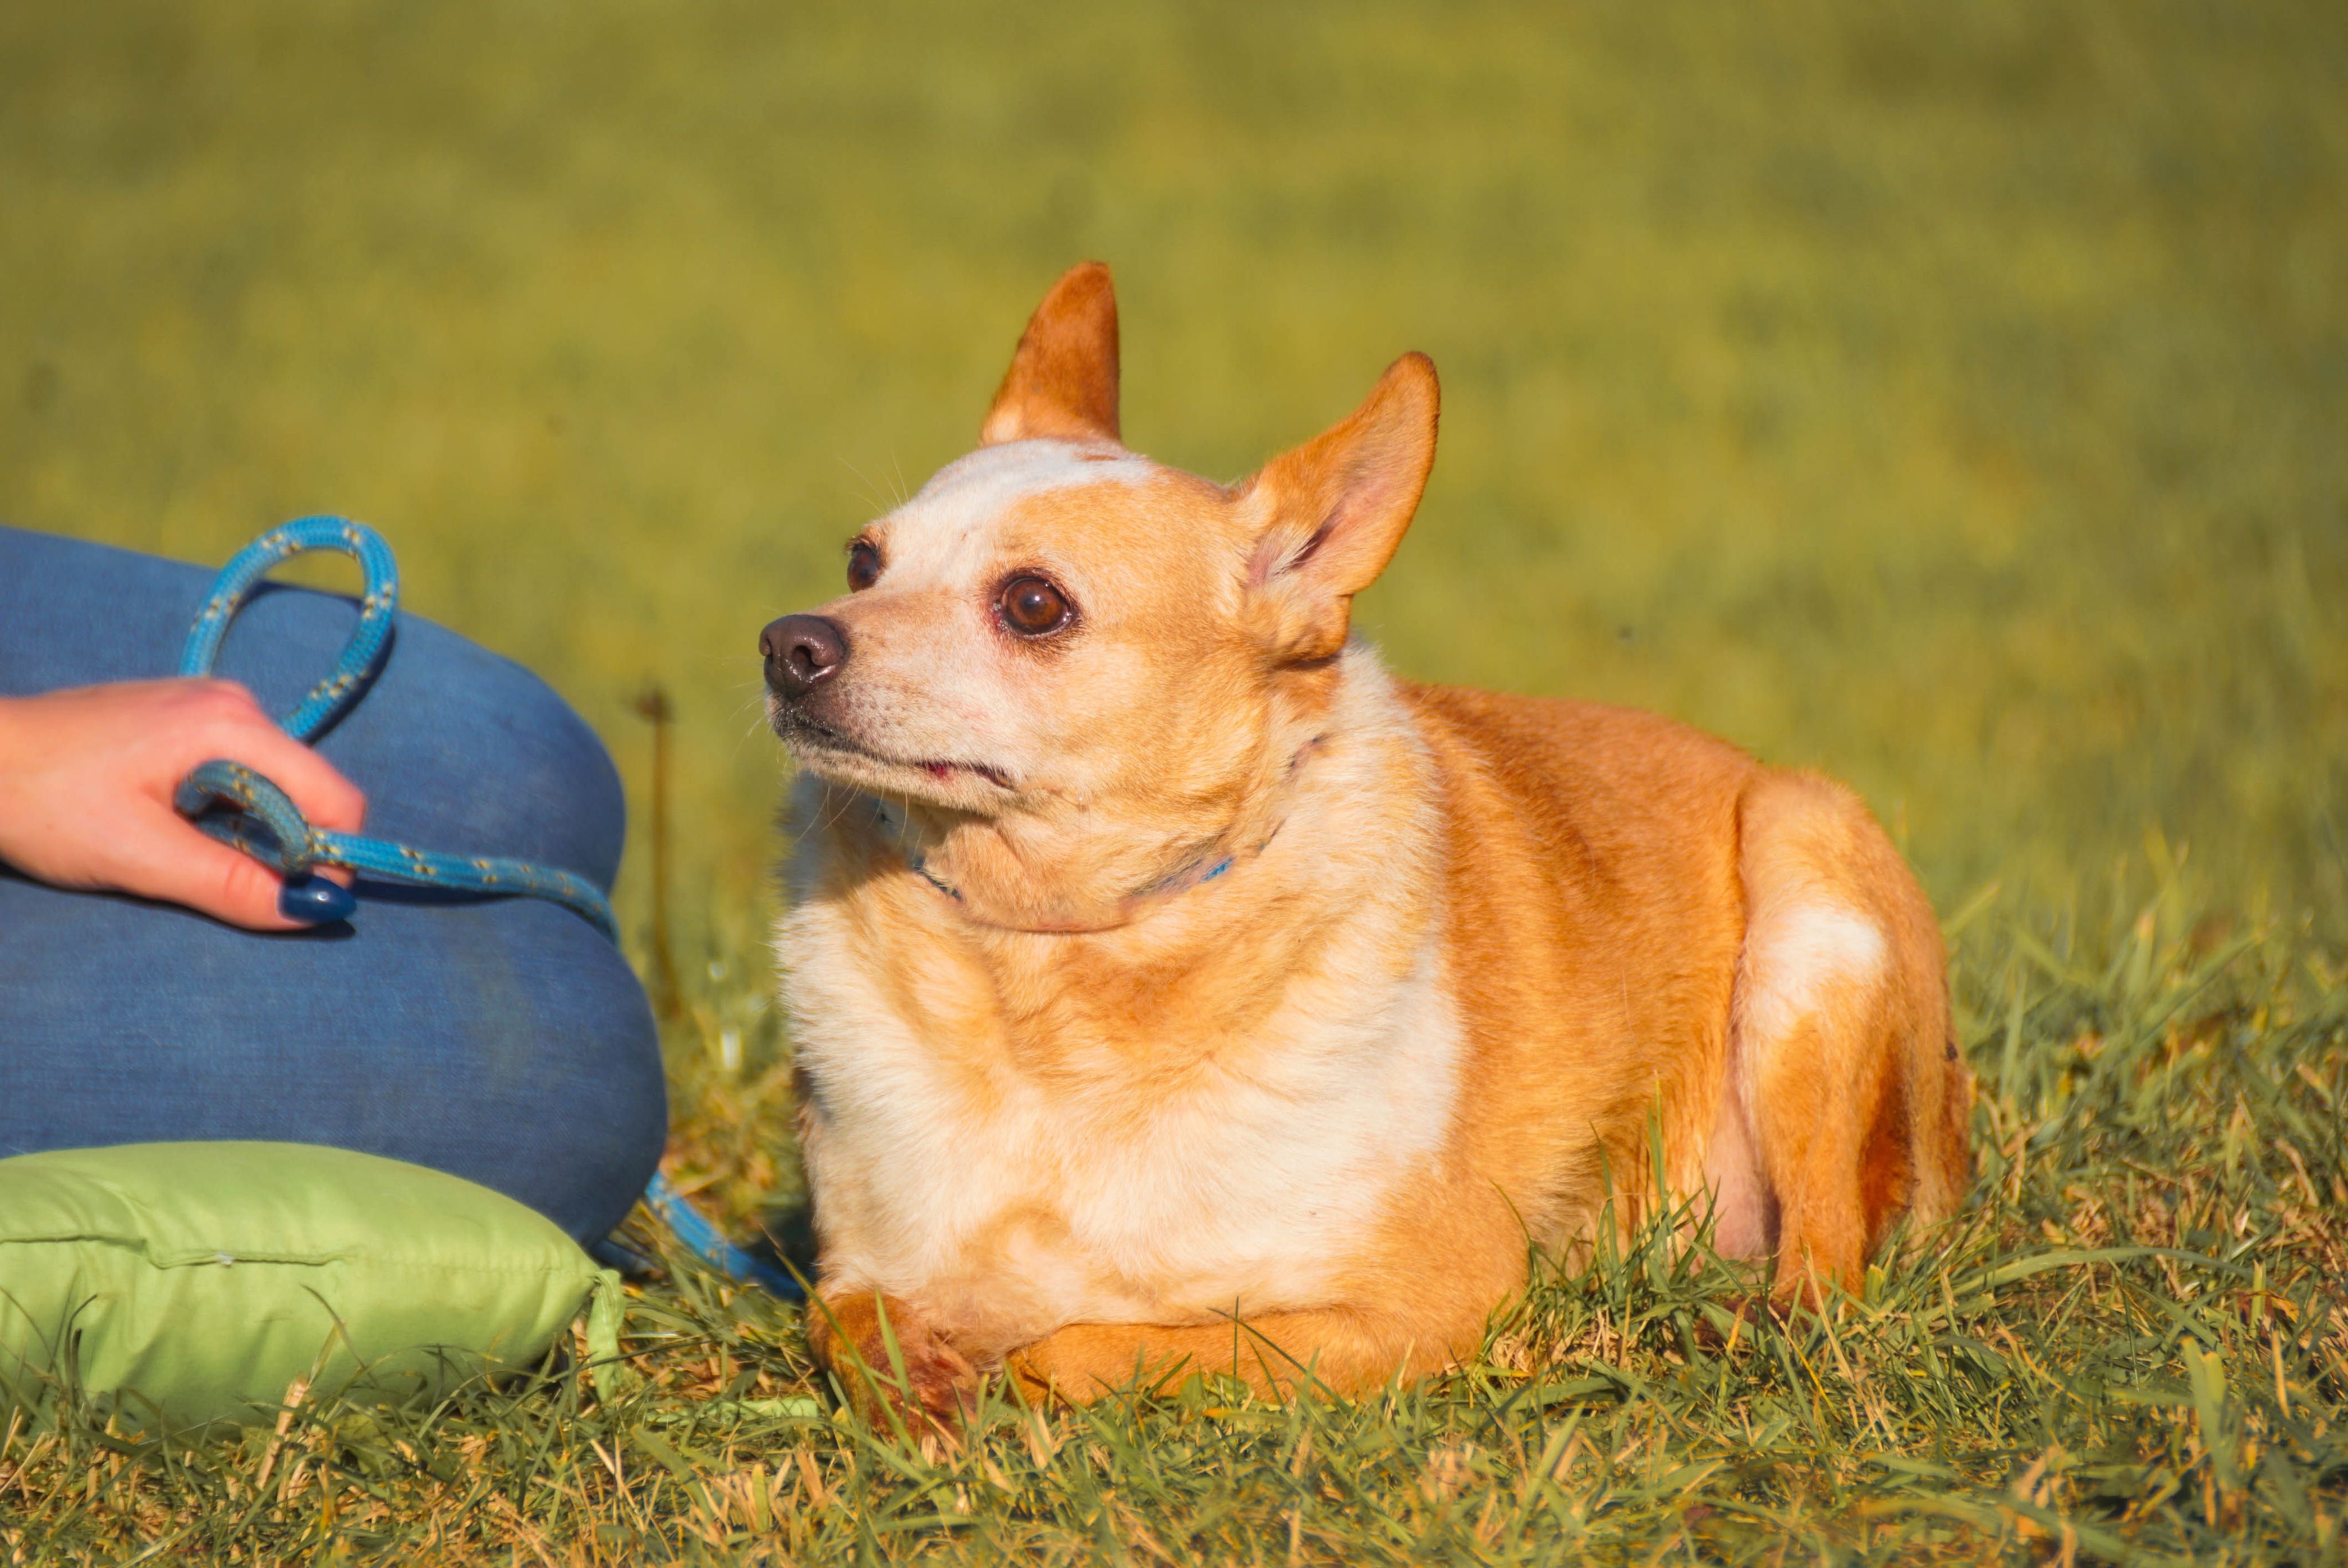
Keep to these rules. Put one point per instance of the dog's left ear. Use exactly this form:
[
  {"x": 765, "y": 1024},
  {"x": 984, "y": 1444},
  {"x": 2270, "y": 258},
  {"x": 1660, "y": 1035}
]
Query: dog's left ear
[
  {"x": 1063, "y": 377},
  {"x": 1337, "y": 507}
]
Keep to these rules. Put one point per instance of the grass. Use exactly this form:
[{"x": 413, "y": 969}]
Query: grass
[
  {"x": 1950, "y": 397},
  {"x": 2131, "y": 1348}
]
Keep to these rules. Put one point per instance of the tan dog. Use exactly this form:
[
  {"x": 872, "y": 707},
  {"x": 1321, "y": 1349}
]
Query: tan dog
[{"x": 1157, "y": 959}]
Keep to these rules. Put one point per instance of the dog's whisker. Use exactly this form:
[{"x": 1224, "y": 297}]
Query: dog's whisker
[{"x": 874, "y": 498}]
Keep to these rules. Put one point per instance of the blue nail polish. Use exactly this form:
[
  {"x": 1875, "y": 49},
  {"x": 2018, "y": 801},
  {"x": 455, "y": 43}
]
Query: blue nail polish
[{"x": 316, "y": 901}]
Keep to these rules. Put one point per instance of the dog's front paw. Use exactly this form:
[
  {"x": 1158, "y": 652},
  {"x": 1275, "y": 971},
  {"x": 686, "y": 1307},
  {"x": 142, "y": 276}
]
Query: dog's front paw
[{"x": 929, "y": 1384}]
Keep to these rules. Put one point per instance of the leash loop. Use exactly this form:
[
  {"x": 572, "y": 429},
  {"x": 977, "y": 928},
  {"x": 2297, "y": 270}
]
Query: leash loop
[
  {"x": 377, "y": 604},
  {"x": 290, "y": 848}
]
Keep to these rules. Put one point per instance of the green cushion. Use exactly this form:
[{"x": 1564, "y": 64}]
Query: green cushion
[{"x": 201, "y": 1280}]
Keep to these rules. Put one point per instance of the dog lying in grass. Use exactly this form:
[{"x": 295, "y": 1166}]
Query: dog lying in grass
[{"x": 1175, "y": 989}]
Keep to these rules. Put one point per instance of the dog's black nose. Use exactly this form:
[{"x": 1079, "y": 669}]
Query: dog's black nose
[{"x": 802, "y": 651}]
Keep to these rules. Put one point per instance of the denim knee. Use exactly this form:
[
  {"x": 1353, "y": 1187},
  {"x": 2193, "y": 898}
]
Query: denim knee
[
  {"x": 606, "y": 1118},
  {"x": 503, "y": 1041}
]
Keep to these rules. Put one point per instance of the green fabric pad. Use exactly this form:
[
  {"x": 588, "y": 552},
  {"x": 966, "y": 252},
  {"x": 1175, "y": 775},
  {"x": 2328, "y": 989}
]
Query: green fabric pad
[{"x": 201, "y": 1280}]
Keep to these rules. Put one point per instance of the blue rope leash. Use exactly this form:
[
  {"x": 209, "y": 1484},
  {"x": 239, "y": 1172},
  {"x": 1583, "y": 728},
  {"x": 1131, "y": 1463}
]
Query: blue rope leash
[{"x": 246, "y": 811}]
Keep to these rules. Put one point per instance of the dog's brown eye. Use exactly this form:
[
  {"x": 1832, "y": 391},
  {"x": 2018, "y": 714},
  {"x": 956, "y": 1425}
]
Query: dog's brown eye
[
  {"x": 863, "y": 566},
  {"x": 1032, "y": 607}
]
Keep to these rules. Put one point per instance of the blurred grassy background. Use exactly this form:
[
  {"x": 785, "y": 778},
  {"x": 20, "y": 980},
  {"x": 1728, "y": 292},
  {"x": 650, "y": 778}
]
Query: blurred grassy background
[{"x": 1951, "y": 397}]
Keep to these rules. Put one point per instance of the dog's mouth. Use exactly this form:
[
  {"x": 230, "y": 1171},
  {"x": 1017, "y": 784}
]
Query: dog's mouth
[{"x": 835, "y": 755}]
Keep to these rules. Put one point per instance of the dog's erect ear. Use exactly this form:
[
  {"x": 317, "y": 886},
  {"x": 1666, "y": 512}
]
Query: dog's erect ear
[
  {"x": 1337, "y": 508},
  {"x": 1063, "y": 379}
]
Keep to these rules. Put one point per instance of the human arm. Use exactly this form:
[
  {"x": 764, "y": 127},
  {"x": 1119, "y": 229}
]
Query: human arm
[{"x": 86, "y": 781}]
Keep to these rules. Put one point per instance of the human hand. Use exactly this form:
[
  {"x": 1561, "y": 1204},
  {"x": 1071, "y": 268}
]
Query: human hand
[{"x": 85, "y": 783}]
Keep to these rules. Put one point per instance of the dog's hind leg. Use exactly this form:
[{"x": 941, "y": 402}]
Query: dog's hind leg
[{"x": 1841, "y": 1062}]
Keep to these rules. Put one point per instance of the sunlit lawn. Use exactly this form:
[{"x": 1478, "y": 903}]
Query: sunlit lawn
[{"x": 1949, "y": 397}]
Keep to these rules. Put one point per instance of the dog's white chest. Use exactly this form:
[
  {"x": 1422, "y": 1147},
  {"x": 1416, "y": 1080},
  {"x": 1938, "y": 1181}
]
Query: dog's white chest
[{"x": 1097, "y": 1198}]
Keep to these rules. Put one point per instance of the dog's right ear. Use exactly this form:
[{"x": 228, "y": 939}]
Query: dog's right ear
[
  {"x": 1330, "y": 515},
  {"x": 1063, "y": 378}
]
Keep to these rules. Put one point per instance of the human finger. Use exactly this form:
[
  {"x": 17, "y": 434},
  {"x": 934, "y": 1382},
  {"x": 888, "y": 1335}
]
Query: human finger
[
  {"x": 166, "y": 858},
  {"x": 317, "y": 788}
]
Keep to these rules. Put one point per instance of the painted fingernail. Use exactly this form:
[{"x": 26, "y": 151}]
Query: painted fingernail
[{"x": 316, "y": 901}]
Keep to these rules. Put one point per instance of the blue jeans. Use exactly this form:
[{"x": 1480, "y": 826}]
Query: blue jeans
[{"x": 501, "y": 1040}]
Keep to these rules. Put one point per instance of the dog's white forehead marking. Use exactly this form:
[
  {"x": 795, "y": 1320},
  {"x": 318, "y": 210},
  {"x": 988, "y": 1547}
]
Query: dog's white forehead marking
[{"x": 967, "y": 494}]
